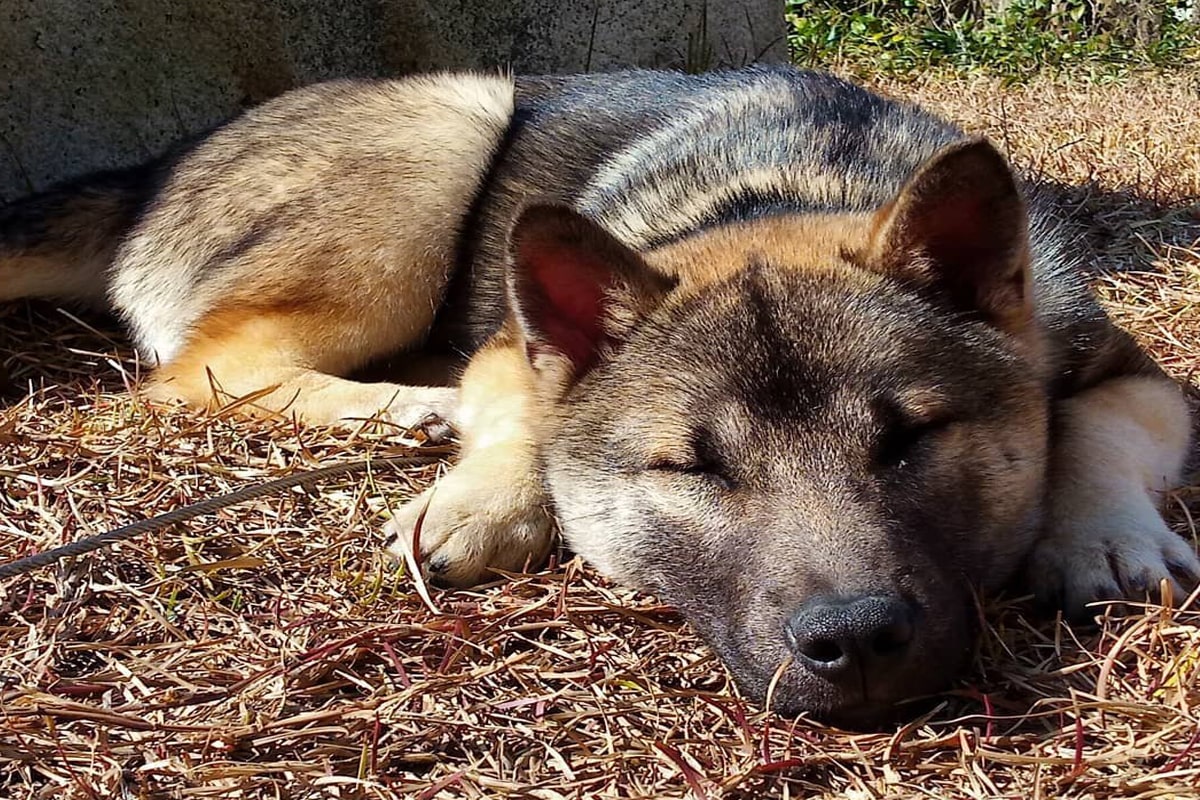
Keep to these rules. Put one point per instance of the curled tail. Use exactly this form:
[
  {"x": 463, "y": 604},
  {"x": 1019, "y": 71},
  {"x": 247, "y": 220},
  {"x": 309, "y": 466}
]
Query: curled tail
[{"x": 59, "y": 244}]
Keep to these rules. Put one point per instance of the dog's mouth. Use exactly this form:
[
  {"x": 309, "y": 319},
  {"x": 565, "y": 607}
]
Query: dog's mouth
[
  {"x": 860, "y": 663},
  {"x": 867, "y": 708}
]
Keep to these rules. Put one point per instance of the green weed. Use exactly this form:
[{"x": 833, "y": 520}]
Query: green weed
[{"x": 1014, "y": 39}]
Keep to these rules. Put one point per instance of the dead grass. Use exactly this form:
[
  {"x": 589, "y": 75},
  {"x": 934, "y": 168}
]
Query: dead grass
[{"x": 267, "y": 652}]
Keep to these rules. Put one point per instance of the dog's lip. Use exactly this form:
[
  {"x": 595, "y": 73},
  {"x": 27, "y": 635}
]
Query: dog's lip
[
  {"x": 858, "y": 720},
  {"x": 860, "y": 713},
  {"x": 797, "y": 694}
]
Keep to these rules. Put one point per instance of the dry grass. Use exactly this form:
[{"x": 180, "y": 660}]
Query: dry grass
[{"x": 267, "y": 652}]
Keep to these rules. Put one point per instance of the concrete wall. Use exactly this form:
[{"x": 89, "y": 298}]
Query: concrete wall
[{"x": 88, "y": 85}]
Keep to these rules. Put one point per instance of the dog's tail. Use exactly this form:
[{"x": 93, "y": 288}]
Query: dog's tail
[{"x": 60, "y": 244}]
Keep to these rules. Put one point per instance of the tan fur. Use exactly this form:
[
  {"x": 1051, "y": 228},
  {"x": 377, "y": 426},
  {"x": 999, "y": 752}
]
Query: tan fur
[
  {"x": 282, "y": 362},
  {"x": 809, "y": 243},
  {"x": 41, "y": 276},
  {"x": 1120, "y": 446},
  {"x": 272, "y": 232},
  {"x": 491, "y": 511},
  {"x": 70, "y": 259},
  {"x": 233, "y": 303}
]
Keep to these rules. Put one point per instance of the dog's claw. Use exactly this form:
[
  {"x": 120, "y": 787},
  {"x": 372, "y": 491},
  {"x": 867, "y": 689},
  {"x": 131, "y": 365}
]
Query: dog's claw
[
  {"x": 435, "y": 429},
  {"x": 438, "y": 564},
  {"x": 1107, "y": 562}
]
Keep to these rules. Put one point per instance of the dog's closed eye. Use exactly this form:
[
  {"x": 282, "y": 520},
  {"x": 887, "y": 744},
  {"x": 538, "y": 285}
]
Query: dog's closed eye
[
  {"x": 904, "y": 433},
  {"x": 700, "y": 458}
]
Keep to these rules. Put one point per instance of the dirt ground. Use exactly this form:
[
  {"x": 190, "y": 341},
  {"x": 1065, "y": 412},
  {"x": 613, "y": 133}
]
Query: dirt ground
[{"x": 267, "y": 651}]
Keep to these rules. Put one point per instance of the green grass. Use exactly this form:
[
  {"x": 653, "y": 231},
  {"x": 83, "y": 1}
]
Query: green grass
[{"x": 1027, "y": 37}]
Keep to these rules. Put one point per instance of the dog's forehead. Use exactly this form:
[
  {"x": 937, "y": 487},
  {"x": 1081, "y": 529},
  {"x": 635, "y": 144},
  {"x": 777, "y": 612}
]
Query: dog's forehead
[
  {"x": 808, "y": 243},
  {"x": 794, "y": 347},
  {"x": 771, "y": 320}
]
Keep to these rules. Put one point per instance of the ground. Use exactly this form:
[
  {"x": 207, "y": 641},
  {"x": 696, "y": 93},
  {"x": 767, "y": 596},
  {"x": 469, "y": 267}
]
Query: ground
[{"x": 267, "y": 650}]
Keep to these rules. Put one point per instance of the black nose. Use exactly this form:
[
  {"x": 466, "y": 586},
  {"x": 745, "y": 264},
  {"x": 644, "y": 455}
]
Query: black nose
[{"x": 841, "y": 637}]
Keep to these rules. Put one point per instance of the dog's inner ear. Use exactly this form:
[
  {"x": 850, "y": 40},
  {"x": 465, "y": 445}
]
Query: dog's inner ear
[
  {"x": 576, "y": 291},
  {"x": 958, "y": 227}
]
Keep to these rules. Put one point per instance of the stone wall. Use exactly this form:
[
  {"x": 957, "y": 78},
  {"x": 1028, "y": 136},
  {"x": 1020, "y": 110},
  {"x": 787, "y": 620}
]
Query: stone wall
[{"x": 113, "y": 82}]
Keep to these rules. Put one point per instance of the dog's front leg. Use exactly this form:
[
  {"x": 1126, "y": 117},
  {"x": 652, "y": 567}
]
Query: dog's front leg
[
  {"x": 1117, "y": 448},
  {"x": 490, "y": 511}
]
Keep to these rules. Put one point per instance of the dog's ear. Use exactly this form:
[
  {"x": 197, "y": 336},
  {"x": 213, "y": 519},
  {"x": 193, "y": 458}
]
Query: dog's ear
[
  {"x": 958, "y": 227},
  {"x": 575, "y": 290}
]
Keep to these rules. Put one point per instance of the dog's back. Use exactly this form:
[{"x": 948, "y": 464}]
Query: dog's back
[
  {"x": 655, "y": 157},
  {"x": 652, "y": 157}
]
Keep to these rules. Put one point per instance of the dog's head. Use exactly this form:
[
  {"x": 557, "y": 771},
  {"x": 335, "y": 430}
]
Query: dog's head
[{"x": 817, "y": 436}]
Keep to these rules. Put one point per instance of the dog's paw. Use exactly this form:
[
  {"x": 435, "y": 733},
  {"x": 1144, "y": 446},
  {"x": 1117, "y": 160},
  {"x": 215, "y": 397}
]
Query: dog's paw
[
  {"x": 432, "y": 410},
  {"x": 473, "y": 522},
  {"x": 1111, "y": 558}
]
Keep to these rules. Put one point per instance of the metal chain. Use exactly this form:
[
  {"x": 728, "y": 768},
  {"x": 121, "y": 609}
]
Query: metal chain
[{"x": 25, "y": 565}]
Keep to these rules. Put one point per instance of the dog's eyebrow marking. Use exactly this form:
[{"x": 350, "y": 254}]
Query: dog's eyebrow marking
[{"x": 921, "y": 404}]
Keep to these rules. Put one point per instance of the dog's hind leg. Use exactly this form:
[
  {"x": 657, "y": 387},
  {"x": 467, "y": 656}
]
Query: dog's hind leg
[
  {"x": 307, "y": 238},
  {"x": 293, "y": 362},
  {"x": 491, "y": 511},
  {"x": 1118, "y": 447}
]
